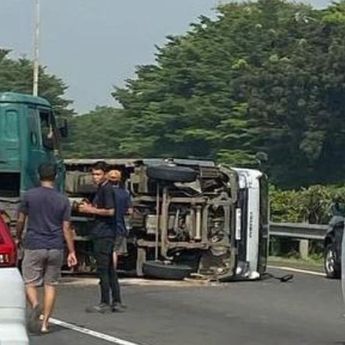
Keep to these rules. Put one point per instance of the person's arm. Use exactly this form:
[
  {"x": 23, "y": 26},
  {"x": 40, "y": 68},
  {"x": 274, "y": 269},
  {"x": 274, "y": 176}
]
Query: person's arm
[
  {"x": 108, "y": 199},
  {"x": 129, "y": 204},
  {"x": 104, "y": 212},
  {"x": 21, "y": 219},
  {"x": 68, "y": 235}
]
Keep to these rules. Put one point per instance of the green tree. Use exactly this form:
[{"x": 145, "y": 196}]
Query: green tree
[
  {"x": 265, "y": 76},
  {"x": 17, "y": 75},
  {"x": 97, "y": 134}
]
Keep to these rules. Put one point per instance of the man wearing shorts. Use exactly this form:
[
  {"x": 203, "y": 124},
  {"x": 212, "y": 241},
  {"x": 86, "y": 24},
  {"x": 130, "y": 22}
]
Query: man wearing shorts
[
  {"x": 123, "y": 206},
  {"x": 47, "y": 214}
]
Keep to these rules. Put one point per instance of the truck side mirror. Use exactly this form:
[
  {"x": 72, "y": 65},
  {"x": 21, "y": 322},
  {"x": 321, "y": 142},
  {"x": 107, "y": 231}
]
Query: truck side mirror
[{"x": 64, "y": 129}]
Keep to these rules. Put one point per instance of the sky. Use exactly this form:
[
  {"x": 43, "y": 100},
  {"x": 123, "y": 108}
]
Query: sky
[{"x": 94, "y": 45}]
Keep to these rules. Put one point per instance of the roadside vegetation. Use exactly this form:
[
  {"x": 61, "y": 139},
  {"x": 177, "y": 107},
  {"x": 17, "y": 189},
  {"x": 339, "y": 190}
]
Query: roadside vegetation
[
  {"x": 306, "y": 205},
  {"x": 309, "y": 205}
]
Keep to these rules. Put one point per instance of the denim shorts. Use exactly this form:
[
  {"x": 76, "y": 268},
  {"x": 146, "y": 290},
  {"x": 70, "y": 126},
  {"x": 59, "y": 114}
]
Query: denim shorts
[{"x": 42, "y": 266}]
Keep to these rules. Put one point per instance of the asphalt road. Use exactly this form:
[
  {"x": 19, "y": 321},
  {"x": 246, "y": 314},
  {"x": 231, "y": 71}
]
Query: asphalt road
[{"x": 307, "y": 310}]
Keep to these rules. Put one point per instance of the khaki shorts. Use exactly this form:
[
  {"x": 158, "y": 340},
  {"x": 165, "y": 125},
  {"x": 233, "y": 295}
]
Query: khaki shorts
[
  {"x": 42, "y": 266},
  {"x": 120, "y": 245}
]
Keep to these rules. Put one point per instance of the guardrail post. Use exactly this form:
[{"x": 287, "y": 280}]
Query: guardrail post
[{"x": 304, "y": 249}]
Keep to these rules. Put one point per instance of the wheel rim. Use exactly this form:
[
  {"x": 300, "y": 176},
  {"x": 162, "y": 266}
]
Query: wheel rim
[{"x": 330, "y": 261}]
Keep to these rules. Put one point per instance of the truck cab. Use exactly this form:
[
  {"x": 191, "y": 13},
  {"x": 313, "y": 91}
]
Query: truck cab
[{"x": 28, "y": 137}]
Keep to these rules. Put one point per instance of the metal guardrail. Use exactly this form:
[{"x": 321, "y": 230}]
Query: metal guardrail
[{"x": 299, "y": 230}]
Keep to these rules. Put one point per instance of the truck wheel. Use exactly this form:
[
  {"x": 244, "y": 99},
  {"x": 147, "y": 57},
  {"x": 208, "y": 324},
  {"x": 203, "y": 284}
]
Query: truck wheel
[
  {"x": 331, "y": 265},
  {"x": 158, "y": 269},
  {"x": 172, "y": 173}
]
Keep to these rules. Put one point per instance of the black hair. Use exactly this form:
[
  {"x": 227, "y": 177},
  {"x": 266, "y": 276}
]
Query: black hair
[
  {"x": 47, "y": 172},
  {"x": 100, "y": 165}
]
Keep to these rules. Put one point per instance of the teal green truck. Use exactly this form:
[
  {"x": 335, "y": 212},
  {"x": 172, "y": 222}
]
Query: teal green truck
[
  {"x": 189, "y": 216},
  {"x": 28, "y": 137}
]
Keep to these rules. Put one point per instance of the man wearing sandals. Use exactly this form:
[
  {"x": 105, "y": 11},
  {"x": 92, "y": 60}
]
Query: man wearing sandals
[{"x": 47, "y": 214}]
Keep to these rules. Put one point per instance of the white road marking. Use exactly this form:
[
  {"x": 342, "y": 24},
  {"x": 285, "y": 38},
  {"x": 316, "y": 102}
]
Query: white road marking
[
  {"x": 298, "y": 270},
  {"x": 91, "y": 333}
]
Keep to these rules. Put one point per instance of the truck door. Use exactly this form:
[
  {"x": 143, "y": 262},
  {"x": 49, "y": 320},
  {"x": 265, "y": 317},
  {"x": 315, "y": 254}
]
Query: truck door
[
  {"x": 34, "y": 148},
  {"x": 43, "y": 144},
  {"x": 9, "y": 151},
  {"x": 51, "y": 144}
]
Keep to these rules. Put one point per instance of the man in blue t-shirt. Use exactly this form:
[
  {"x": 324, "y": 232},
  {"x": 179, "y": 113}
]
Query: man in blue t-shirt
[{"x": 47, "y": 214}]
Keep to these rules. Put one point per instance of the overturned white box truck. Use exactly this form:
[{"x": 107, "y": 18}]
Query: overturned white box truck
[{"x": 189, "y": 217}]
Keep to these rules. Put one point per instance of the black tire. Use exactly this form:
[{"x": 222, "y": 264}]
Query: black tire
[
  {"x": 172, "y": 173},
  {"x": 160, "y": 270},
  {"x": 331, "y": 264}
]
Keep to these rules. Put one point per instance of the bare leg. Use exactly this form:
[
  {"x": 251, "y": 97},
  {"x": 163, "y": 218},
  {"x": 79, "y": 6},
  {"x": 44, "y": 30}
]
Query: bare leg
[
  {"x": 49, "y": 302},
  {"x": 32, "y": 294},
  {"x": 33, "y": 321},
  {"x": 115, "y": 260}
]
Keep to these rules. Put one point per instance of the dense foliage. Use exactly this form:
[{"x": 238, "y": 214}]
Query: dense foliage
[
  {"x": 263, "y": 77},
  {"x": 97, "y": 134},
  {"x": 311, "y": 205},
  {"x": 17, "y": 75}
]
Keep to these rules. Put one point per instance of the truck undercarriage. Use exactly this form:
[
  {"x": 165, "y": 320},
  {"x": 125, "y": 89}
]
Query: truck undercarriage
[{"x": 182, "y": 219}]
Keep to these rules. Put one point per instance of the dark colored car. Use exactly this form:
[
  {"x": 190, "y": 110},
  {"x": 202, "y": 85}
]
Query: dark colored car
[{"x": 332, "y": 247}]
